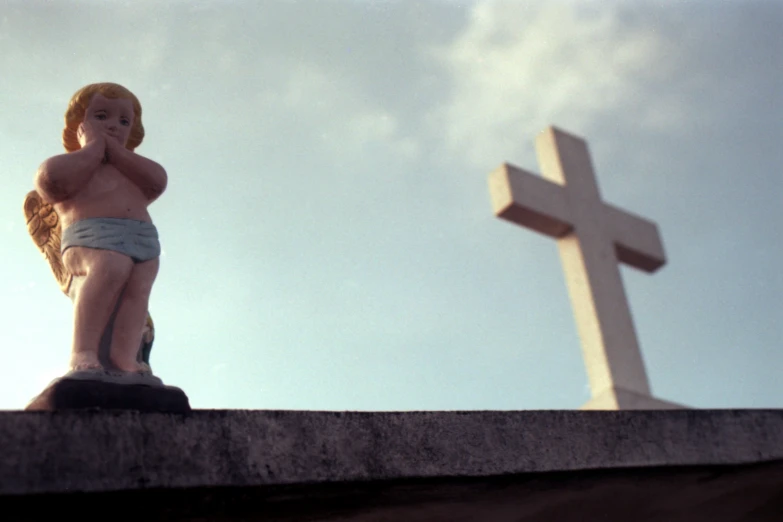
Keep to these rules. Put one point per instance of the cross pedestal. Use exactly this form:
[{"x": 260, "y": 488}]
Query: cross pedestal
[{"x": 592, "y": 237}]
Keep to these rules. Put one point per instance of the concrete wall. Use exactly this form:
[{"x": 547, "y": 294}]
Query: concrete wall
[{"x": 529, "y": 466}]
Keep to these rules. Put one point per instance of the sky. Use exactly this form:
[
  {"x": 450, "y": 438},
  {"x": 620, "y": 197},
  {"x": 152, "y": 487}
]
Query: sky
[{"x": 327, "y": 233}]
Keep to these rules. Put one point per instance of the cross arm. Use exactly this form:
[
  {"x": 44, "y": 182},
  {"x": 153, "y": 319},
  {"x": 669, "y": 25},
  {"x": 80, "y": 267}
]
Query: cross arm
[
  {"x": 529, "y": 200},
  {"x": 636, "y": 240}
]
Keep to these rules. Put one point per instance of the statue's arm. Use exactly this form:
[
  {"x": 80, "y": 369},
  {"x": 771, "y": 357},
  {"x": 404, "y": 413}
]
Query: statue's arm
[
  {"x": 149, "y": 176},
  {"x": 61, "y": 177}
]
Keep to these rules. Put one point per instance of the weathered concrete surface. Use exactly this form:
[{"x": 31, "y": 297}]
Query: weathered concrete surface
[{"x": 369, "y": 465}]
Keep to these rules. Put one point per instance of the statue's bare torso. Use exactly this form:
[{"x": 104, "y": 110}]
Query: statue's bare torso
[{"x": 107, "y": 194}]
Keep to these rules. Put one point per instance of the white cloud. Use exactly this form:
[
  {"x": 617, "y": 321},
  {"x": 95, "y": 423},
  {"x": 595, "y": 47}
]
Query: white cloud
[
  {"x": 347, "y": 119},
  {"x": 518, "y": 68}
]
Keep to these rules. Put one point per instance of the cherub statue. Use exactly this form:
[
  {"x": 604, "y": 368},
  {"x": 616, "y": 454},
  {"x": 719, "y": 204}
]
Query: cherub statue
[{"x": 88, "y": 216}]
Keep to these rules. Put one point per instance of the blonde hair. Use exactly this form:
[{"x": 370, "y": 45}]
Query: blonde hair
[{"x": 77, "y": 107}]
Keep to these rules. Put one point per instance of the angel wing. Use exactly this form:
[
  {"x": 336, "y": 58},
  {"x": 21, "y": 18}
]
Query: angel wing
[
  {"x": 146, "y": 340},
  {"x": 43, "y": 225}
]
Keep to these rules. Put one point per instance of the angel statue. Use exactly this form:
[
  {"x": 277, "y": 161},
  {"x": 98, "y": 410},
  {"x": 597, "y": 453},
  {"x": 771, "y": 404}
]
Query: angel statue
[{"x": 88, "y": 216}]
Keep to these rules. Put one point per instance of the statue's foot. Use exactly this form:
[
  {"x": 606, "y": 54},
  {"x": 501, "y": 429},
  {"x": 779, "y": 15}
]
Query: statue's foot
[
  {"x": 86, "y": 368},
  {"x": 137, "y": 377},
  {"x": 87, "y": 373},
  {"x": 85, "y": 363},
  {"x": 138, "y": 374},
  {"x": 136, "y": 369}
]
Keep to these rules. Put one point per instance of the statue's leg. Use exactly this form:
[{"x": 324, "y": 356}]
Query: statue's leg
[
  {"x": 105, "y": 274},
  {"x": 132, "y": 316}
]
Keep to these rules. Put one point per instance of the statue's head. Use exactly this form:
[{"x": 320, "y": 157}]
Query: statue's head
[{"x": 77, "y": 107}]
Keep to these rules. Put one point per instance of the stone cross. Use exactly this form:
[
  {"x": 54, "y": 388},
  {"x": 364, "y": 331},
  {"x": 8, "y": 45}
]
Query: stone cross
[{"x": 592, "y": 237}]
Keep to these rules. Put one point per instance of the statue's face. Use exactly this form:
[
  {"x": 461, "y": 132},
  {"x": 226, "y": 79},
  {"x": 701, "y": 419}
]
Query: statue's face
[{"x": 111, "y": 116}]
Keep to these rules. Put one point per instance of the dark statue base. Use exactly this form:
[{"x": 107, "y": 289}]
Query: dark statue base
[{"x": 79, "y": 394}]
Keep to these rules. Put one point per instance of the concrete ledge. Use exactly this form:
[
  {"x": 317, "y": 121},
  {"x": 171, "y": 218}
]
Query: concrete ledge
[{"x": 123, "y": 451}]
